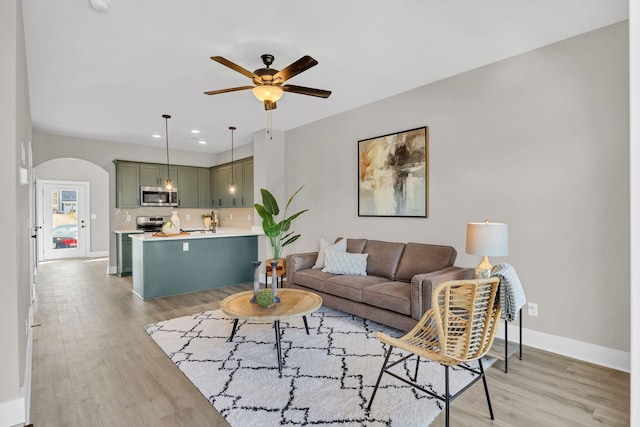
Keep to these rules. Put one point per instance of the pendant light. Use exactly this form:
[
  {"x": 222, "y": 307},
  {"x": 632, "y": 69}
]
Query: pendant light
[
  {"x": 168, "y": 184},
  {"x": 232, "y": 184}
]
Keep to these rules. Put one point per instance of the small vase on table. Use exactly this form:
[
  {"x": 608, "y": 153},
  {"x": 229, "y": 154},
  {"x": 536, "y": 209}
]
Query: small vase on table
[
  {"x": 256, "y": 280},
  {"x": 274, "y": 280}
]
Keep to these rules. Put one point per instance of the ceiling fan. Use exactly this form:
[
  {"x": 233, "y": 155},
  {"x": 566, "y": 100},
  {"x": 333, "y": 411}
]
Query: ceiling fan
[{"x": 269, "y": 82}]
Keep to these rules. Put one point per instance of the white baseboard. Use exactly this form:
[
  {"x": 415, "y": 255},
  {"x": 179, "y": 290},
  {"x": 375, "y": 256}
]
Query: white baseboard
[
  {"x": 98, "y": 254},
  {"x": 112, "y": 269},
  {"x": 592, "y": 353},
  {"x": 12, "y": 412}
]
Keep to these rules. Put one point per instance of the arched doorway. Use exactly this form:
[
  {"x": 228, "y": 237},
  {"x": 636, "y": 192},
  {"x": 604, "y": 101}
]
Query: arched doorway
[{"x": 96, "y": 216}]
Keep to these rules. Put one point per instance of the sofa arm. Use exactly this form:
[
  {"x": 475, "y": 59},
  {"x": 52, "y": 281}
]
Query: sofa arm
[
  {"x": 297, "y": 262},
  {"x": 422, "y": 286}
]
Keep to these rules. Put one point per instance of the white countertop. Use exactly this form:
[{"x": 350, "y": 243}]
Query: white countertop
[{"x": 220, "y": 232}]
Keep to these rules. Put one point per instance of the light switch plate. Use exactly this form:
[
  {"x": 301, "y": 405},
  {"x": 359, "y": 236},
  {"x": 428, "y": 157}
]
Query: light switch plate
[{"x": 185, "y": 246}]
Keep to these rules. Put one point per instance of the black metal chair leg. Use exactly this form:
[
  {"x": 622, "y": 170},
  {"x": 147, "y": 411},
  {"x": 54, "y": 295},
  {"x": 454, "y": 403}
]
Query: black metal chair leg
[
  {"x": 447, "y": 396},
  {"x": 520, "y": 357},
  {"x": 486, "y": 389},
  {"x": 415, "y": 377},
  {"x": 276, "y": 325},
  {"x": 506, "y": 347},
  {"x": 384, "y": 365}
]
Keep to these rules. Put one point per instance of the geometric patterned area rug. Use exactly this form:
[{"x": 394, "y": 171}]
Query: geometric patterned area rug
[{"x": 327, "y": 376}]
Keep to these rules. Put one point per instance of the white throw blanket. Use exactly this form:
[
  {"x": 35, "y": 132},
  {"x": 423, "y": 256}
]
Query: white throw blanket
[{"x": 512, "y": 297}]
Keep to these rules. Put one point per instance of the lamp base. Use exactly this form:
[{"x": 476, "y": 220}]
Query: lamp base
[{"x": 483, "y": 270}]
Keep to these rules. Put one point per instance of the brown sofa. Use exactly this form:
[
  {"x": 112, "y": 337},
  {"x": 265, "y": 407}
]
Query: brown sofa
[{"x": 397, "y": 288}]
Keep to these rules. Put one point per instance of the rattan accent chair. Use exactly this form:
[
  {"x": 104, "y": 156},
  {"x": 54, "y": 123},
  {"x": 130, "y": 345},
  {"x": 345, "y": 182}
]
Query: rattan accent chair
[{"x": 459, "y": 328}]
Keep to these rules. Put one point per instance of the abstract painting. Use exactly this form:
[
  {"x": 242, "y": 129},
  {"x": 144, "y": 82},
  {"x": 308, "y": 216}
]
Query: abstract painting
[{"x": 393, "y": 174}]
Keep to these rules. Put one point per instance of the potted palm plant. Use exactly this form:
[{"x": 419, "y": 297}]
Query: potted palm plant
[{"x": 279, "y": 233}]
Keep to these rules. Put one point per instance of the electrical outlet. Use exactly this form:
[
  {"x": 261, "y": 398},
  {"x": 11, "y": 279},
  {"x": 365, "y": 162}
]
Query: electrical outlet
[
  {"x": 532, "y": 309},
  {"x": 128, "y": 217},
  {"x": 230, "y": 216},
  {"x": 248, "y": 217},
  {"x": 185, "y": 246},
  {"x": 188, "y": 216}
]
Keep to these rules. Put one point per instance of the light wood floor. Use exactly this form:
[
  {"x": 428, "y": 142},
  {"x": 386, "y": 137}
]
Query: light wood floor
[{"x": 94, "y": 365}]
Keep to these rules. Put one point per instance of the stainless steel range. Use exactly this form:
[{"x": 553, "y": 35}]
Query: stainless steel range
[{"x": 151, "y": 223}]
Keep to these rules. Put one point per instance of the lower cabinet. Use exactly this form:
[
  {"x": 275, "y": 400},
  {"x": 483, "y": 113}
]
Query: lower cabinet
[{"x": 124, "y": 253}]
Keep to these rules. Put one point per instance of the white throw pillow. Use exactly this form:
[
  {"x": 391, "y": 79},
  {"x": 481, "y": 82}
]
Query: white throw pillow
[
  {"x": 345, "y": 263},
  {"x": 339, "y": 246}
]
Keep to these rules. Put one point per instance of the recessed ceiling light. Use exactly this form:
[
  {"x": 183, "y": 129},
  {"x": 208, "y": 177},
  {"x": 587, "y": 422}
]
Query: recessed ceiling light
[
  {"x": 155, "y": 135},
  {"x": 202, "y": 142},
  {"x": 195, "y": 131}
]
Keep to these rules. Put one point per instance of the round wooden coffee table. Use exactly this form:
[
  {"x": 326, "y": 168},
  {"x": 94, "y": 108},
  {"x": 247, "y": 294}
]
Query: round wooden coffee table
[{"x": 293, "y": 303}]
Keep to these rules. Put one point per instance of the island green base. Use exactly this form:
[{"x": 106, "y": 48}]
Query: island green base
[{"x": 164, "y": 268}]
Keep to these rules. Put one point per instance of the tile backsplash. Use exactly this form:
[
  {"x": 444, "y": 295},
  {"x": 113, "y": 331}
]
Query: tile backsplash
[{"x": 190, "y": 218}]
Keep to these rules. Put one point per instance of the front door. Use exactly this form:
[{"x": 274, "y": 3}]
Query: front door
[{"x": 63, "y": 210}]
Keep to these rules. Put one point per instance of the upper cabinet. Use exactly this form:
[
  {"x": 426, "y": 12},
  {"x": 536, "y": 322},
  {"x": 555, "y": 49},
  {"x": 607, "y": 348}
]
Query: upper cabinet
[
  {"x": 247, "y": 182},
  {"x": 187, "y": 187},
  {"x": 242, "y": 174},
  {"x": 154, "y": 175},
  {"x": 127, "y": 184},
  {"x": 204, "y": 188},
  {"x": 193, "y": 183}
]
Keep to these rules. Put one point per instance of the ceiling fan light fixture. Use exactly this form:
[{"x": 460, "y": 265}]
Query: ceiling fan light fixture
[{"x": 268, "y": 93}]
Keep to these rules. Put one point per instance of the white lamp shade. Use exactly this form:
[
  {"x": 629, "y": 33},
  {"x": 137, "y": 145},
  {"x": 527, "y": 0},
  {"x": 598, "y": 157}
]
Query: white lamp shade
[
  {"x": 487, "y": 239},
  {"x": 267, "y": 93}
]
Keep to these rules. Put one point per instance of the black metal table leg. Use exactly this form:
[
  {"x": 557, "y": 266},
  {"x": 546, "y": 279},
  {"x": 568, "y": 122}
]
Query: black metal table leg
[
  {"x": 306, "y": 326},
  {"x": 276, "y": 326},
  {"x": 233, "y": 331}
]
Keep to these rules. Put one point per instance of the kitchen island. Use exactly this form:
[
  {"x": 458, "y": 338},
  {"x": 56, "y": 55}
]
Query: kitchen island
[{"x": 196, "y": 261}]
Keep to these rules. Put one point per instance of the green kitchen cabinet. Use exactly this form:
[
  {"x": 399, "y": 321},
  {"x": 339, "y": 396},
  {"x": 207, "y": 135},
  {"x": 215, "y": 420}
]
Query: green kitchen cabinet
[
  {"x": 187, "y": 187},
  {"x": 123, "y": 253},
  {"x": 247, "y": 182},
  {"x": 204, "y": 188},
  {"x": 155, "y": 174},
  {"x": 127, "y": 185},
  {"x": 221, "y": 180},
  {"x": 242, "y": 175}
]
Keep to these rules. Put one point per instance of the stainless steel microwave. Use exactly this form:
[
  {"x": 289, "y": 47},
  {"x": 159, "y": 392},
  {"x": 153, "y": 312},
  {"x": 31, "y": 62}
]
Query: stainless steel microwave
[{"x": 158, "y": 196}]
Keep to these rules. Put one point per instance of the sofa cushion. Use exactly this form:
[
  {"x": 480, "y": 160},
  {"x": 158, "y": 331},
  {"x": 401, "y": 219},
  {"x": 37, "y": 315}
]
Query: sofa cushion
[
  {"x": 350, "y": 287},
  {"x": 422, "y": 258},
  {"x": 345, "y": 263},
  {"x": 383, "y": 258},
  {"x": 394, "y": 296},
  {"x": 355, "y": 246},
  {"x": 312, "y": 278}
]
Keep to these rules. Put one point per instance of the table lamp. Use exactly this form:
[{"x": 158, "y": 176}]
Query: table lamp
[{"x": 486, "y": 239}]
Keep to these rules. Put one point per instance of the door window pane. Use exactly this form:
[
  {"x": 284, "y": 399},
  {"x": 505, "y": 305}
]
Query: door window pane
[{"x": 64, "y": 218}]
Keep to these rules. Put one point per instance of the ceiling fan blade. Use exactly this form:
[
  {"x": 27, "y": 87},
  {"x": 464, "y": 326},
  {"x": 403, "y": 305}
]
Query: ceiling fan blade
[
  {"x": 237, "y": 68},
  {"x": 307, "y": 91},
  {"x": 231, "y": 89},
  {"x": 294, "y": 69}
]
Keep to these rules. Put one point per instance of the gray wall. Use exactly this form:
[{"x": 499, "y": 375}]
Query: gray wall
[
  {"x": 15, "y": 134},
  {"x": 539, "y": 141}
]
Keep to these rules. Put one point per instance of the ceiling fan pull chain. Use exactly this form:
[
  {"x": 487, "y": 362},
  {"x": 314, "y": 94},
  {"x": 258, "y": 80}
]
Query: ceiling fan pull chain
[{"x": 269, "y": 133}]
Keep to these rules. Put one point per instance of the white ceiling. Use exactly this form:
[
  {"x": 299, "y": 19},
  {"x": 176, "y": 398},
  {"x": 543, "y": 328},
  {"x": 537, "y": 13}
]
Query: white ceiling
[{"x": 111, "y": 75}]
